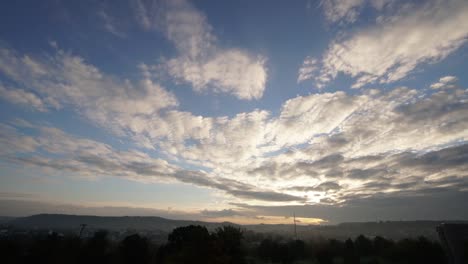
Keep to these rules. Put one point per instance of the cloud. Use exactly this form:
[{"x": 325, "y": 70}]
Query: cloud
[
  {"x": 336, "y": 10},
  {"x": 322, "y": 187},
  {"x": 370, "y": 149},
  {"x": 309, "y": 66},
  {"x": 321, "y": 141},
  {"x": 364, "y": 174},
  {"x": 267, "y": 196},
  {"x": 81, "y": 156},
  {"x": 13, "y": 142},
  {"x": 220, "y": 213},
  {"x": 89, "y": 158},
  {"x": 396, "y": 206},
  {"x": 445, "y": 82},
  {"x": 66, "y": 79},
  {"x": 353, "y": 146},
  {"x": 445, "y": 159},
  {"x": 394, "y": 47},
  {"x": 344, "y": 12},
  {"x": 22, "y": 97},
  {"x": 221, "y": 140},
  {"x": 230, "y": 71},
  {"x": 140, "y": 110},
  {"x": 304, "y": 117},
  {"x": 201, "y": 62},
  {"x": 110, "y": 24},
  {"x": 16, "y": 195}
]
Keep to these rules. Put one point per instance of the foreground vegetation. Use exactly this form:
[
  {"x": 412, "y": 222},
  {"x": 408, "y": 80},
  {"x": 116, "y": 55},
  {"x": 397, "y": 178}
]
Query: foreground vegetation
[{"x": 195, "y": 244}]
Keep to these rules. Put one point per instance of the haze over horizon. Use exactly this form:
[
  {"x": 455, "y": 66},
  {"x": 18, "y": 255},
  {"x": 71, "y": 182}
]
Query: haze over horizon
[{"x": 240, "y": 111}]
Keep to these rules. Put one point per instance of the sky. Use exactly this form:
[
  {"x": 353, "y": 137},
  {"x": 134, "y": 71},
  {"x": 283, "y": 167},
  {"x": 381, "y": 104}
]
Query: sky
[{"x": 243, "y": 111}]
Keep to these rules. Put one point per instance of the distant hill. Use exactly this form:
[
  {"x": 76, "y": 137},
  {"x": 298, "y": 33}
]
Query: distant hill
[
  {"x": 66, "y": 222},
  {"x": 5, "y": 219},
  {"x": 388, "y": 229}
]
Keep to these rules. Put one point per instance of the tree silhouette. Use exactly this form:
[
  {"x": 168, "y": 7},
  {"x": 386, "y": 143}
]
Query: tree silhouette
[
  {"x": 189, "y": 244},
  {"x": 134, "y": 249},
  {"x": 350, "y": 256},
  {"x": 97, "y": 250},
  {"x": 229, "y": 241},
  {"x": 363, "y": 246}
]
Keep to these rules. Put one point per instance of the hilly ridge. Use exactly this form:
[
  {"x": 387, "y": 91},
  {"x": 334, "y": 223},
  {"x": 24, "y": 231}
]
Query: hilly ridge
[
  {"x": 60, "y": 221},
  {"x": 389, "y": 229}
]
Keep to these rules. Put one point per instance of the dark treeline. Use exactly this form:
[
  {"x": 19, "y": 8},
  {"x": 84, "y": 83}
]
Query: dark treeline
[{"x": 195, "y": 244}]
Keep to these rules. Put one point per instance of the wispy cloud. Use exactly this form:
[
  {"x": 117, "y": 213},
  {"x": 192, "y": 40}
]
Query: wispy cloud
[
  {"x": 307, "y": 70},
  {"x": 110, "y": 25},
  {"x": 66, "y": 79},
  {"x": 344, "y": 12},
  {"x": 22, "y": 97},
  {"x": 88, "y": 158}
]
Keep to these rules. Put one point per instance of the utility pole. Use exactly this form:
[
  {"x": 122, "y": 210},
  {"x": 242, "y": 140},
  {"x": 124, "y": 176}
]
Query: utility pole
[
  {"x": 295, "y": 230},
  {"x": 82, "y": 228}
]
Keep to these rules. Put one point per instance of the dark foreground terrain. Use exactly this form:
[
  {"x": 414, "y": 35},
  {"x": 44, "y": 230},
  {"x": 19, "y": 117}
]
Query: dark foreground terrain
[{"x": 223, "y": 244}]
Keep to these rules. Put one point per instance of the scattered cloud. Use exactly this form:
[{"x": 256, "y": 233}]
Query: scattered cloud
[
  {"x": 220, "y": 213},
  {"x": 110, "y": 24},
  {"x": 445, "y": 82},
  {"x": 22, "y": 97},
  {"x": 397, "y": 44},
  {"x": 345, "y": 12},
  {"x": 336, "y": 10},
  {"x": 201, "y": 62},
  {"x": 309, "y": 66},
  {"x": 65, "y": 79},
  {"x": 230, "y": 71},
  {"x": 12, "y": 142}
]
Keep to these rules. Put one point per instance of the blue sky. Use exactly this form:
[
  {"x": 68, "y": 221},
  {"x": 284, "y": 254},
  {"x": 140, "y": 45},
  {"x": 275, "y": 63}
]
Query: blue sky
[{"x": 242, "y": 111}]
